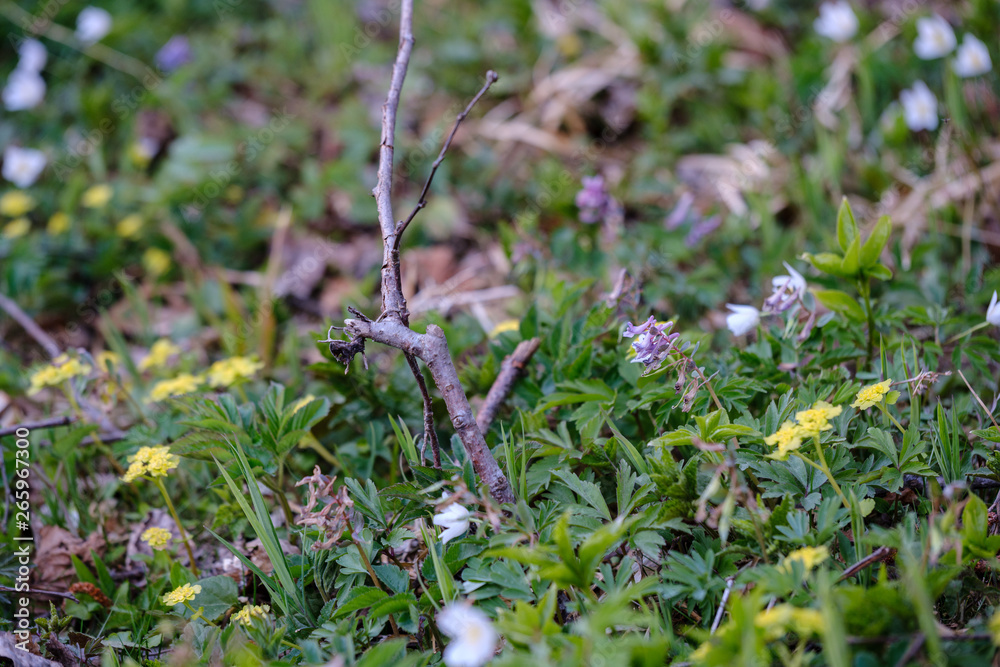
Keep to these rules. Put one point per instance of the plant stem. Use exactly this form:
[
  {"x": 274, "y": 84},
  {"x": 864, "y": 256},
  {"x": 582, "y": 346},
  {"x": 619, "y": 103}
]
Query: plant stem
[
  {"x": 866, "y": 288},
  {"x": 826, "y": 470},
  {"x": 881, "y": 406},
  {"x": 180, "y": 527},
  {"x": 967, "y": 332}
]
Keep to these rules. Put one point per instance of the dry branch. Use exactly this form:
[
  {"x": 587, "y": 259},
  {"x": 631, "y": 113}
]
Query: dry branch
[
  {"x": 511, "y": 369},
  {"x": 392, "y": 326}
]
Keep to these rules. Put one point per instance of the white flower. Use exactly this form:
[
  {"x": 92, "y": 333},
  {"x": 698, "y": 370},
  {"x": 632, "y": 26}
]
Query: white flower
[
  {"x": 743, "y": 319},
  {"x": 455, "y": 521},
  {"x": 21, "y": 166},
  {"x": 33, "y": 55},
  {"x": 24, "y": 90},
  {"x": 836, "y": 21},
  {"x": 473, "y": 639},
  {"x": 972, "y": 58},
  {"x": 993, "y": 312},
  {"x": 935, "y": 38},
  {"x": 787, "y": 290},
  {"x": 919, "y": 107},
  {"x": 92, "y": 24}
]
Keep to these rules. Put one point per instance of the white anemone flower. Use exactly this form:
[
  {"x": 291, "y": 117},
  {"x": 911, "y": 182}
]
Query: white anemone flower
[
  {"x": 21, "y": 166},
  {"x": 935, "y": 38},
  {"x": 25, "y": 89},
  {"x": 92, "y": 24},
  {"x": 972, "y": 58},
  {"x": 993, "y": 311},
  {"x": 473, "y": 639},
  {"x": 455, "y": 521},
  {"x": 786, "y": 291},
  {"x": 836, "y": 21},
  {"x": 742, "y": 319},
  {"x": 33, "y": 55},
  {"x": 920, "y": 107}
]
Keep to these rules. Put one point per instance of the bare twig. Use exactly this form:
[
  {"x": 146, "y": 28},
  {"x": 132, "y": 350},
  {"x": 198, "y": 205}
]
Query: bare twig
[
  {"x": 511, "y": 369},
  {"x": 36, "y": 592},
  {"x": 45, "y": 423},
  {"x": 878, "y": 555},
  {"x": 491, "y": 78},
  {"x": 978, "y": 400},
  {"x": 392, "y": 326},
  {"x": 430, "y": 434},
  {"x": 43, "y": 339},
  {"x": 722, "y": 604}
]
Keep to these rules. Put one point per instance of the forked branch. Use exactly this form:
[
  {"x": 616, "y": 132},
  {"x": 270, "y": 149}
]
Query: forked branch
[{"x": 392, "y": 326}]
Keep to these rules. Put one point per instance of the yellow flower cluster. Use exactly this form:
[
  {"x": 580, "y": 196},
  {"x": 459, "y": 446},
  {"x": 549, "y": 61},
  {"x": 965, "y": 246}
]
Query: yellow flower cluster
[
  {"x": 250, "y": 612},
  {"x": 157, "y": 538},
  {"x": 161, "y": 350},
  {"x": 59, "y": 223},
  {"x": 811, "y": 423},
  {"x": 229, "y": 371},
  {"x": 871, "y": 395},
  {"x": 156, "y": 261},
  {"x": 16, "y": 203},
  {"x": 810, "y": 557},
  {"x": 62, "y": 368},
  {"x": 150, "y": 462},
  {"x": 184, "y": 383},
  {"x": 185, "y": 593},
  {"x": 781, "y": 618}
]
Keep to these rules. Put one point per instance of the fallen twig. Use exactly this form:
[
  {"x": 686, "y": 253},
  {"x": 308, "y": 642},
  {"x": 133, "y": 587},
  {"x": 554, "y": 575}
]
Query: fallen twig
[
  {"x": 878, "y": 555},
  {"x": 511, "y": 369},
  {"x": 37, "y": 592},
  {"x": 45, "y": 423},
  {"x": 43, "y": 339}
]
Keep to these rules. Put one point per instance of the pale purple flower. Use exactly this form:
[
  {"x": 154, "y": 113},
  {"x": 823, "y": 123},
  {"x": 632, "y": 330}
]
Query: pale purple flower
[
  {"x": 593, "y": 200},
  {"x": 701, "y": 229},
  {"x": 788, "y": 290},
  {"x": 175, "y": 53},
  {"x": 652, "y": 341}
]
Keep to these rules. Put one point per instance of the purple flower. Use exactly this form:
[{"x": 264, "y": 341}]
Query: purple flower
[
  {"x": 593, "y": 200},
  {"x": 652, "y": 341},
  {"x": 175, "y": 52},
  {"x": 701, "y": 229}
]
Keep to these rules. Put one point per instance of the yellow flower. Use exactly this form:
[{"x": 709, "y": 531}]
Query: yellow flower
[
  {"x": 62, "y": 368},
  {"x": 156, "y": 261},
  {"x": 150, "y": 462},
  {"x": 810, "y": 557},
  {"x": 106, "y": 359},
  {"x": 129, "y": 226},
  {"x": 97, "y": 196},
  {"x": 228, "y": 371},
  {"x": 161, "y": 350},
  {"x": 16, "y": 203},
  {"x": 157, "y": 538},
  {"x": 871, "y": 395},
  {"x": 58, "y": 224},
  {"x": 17, "y": 228},
  {"x": 184, "y": 383},
  {"x": 817, "y": 418},
  {"x": 788, "y": 438},
  {"x": 506, "y": 325},
  {"x": 781, "y": 618},
  {"x": 185, "y": 593},
  {"x": 140, "y": 154},
  {"x": 250, "y": 612}
]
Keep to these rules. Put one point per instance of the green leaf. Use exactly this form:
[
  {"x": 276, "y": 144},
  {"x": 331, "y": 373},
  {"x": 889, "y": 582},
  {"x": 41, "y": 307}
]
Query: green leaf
[
  {"x": 880, "y": 271},
  {"x": 847, "y": 226},
  {"x": 360, "y": 598},
  {"x": 217, "y": 595},
  {"x": 841, "y": 302},
  {"x": 851, "y": 263},
  {"x": 873, "y": 247},
  {"x": 590, "y": 492},
  {"x": 827, "y": 262},
  {"x": 393, "y": 605}
]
